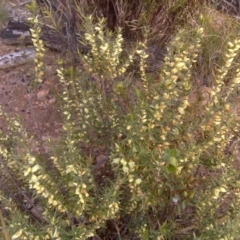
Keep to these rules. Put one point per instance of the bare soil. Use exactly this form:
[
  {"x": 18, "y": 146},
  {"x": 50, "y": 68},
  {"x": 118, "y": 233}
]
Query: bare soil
[{"x": 36, "y": 105}]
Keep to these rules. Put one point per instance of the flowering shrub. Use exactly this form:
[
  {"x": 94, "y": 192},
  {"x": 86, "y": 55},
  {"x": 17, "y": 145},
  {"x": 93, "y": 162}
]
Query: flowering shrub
[{"x": 168, "y": 170}]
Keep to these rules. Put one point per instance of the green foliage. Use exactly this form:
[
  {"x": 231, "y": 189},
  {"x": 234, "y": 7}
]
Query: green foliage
[{"x": 169, "y": 170}]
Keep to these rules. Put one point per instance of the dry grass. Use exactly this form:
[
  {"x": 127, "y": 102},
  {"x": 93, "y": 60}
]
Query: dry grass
[
  {"x": 159, "y": 19},
  {"x": 3, "y": 13}
]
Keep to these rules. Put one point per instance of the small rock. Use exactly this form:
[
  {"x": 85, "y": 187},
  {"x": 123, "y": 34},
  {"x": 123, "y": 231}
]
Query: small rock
[
  {"x": 49, "y": 68},
  {"x": 52, "y": 100},
  {"x": 42, "y": 94},
  {"x": 101, "y": 159}
]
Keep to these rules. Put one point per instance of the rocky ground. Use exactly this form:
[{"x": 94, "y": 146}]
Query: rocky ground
[{"x": 36, "y": 105}]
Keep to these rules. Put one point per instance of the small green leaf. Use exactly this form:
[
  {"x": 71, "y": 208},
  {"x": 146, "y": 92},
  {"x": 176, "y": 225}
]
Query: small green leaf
[
  {"x": 170, "y": 153},
  {"x": 171, "y": 165},
  {"x": 138, "y": 93},
  {"x": 69, "y": 72}
]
